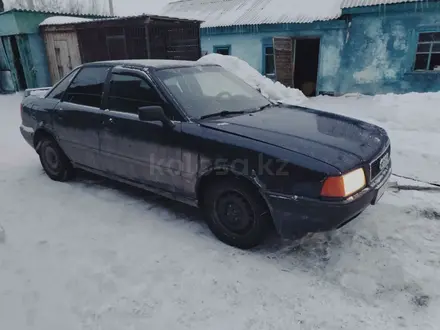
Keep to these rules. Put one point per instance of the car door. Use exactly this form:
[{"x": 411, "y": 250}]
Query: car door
[
  {"x": 47, "y": 107},
  {"x": 77, "y": 118},
  {"x": 143, "y": 152}
]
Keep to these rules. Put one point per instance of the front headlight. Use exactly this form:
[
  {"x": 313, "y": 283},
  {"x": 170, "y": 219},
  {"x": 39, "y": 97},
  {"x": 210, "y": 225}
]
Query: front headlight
[{"x": 344, "y": 185}]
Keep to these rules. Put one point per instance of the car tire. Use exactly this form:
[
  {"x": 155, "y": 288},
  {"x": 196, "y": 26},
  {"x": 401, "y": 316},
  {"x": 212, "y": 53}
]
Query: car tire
[
  {"x": 55, "y": 163},
  {"x": 236, "y": 213}
]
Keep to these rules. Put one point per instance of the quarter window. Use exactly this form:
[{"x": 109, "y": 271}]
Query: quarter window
[
  {"x": 128, "y": 93},
  {"x": 58, "y": 91},
  {"x": 87, "y": 87},
  {"x": 428, "y": 52}
]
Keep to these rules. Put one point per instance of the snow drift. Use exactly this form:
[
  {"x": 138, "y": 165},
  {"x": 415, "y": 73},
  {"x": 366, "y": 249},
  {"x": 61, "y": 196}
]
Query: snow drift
[{"x": 272, "y": 90}]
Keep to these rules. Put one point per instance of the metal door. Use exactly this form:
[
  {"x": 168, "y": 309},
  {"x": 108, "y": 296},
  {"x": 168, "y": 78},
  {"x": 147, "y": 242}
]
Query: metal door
[{"x": 25, "y": 55}]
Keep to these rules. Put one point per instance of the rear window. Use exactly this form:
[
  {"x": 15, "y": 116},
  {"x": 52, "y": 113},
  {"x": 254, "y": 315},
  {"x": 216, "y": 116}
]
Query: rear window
[{"x": 87, "y": 87}]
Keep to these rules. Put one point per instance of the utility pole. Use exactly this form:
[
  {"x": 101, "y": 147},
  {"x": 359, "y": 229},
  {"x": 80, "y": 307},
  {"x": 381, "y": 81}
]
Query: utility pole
[{"x": 110, "y": 7}]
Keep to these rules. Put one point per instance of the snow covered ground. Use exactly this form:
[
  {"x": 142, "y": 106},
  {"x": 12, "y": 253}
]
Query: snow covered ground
[
  {"x": 91, "y": 254},
  {"x": 412, "y": 121}
]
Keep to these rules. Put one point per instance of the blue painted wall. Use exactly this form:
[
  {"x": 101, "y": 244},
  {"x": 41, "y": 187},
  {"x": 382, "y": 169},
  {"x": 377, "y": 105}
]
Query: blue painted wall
[
  {"x": 247, "y": 44},
  {"x": 380, "y": 52},
  {"x": 372, "y": 52}
]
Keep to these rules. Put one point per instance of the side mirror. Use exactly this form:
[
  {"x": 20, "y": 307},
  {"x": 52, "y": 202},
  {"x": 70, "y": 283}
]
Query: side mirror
[{"x": 154, "y": 113}]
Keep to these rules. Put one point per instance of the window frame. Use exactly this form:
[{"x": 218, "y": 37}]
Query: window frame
[
  {"x": 108, "y": 67},
  {"x": 217, "y": 47},
  {"x": 150, "y": 80},
  {"x": 267, "y": 43},
  {"x": 130, "y": 74},
  {"x": 430, "y": 52}
]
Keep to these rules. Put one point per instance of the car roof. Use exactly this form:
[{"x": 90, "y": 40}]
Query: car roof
[{"x": 155, "y": 64}]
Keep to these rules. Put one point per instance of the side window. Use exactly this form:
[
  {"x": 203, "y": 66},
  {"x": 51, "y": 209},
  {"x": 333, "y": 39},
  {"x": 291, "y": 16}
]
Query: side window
[
  {"x": 87, "y": 87},
  {"x": 58, "y": 91},
  {"x": 223, "y": 50},
  {"x": 269, "y": 61},
  {"x": 128, "y": 93},
  {"x": 428, "y": 52}
]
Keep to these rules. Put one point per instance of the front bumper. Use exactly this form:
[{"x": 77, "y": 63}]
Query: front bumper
[{"x": 296, "y": 216}]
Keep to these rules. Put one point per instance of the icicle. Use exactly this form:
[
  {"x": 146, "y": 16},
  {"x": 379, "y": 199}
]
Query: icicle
[{"x": 348, "y": 32}]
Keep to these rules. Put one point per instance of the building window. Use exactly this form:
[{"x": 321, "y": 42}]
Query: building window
[
  {"x": 224, "y": 50},
  {"x": 269, "y": 61},
  {"x": 428, "y": 52}
]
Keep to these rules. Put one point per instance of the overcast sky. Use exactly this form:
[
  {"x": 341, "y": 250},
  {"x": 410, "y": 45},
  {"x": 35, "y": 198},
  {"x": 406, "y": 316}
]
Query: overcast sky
[
  {"x": 129, "y": 7},
  {"x": 122, "y": 7}
]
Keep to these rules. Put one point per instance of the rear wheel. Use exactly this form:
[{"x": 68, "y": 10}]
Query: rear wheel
[
  {"x": 236, "y": 213},
  {"x": 55, "y": 163}
]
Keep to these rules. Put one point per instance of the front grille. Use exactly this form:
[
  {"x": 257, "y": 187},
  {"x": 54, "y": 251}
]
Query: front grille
[{"x": 380, "y": 164}]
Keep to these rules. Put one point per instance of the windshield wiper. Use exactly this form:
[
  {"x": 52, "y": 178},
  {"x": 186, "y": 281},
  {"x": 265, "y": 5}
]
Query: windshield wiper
[
  {"x": 269, "y": 105},
  {"x": 223, "y": 113}
]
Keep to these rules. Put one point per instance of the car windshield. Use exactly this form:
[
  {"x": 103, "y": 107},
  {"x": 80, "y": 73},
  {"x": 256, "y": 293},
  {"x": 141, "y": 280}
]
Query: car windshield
[{"x": 206, "y": 90}]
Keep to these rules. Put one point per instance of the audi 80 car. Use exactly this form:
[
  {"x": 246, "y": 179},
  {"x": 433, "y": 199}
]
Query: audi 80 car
[{"x": 200, "y": 135}]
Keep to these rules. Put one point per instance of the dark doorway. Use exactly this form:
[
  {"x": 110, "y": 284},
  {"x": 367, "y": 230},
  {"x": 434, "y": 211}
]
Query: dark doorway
[
  {"x": 17, "y": 64},
  {"x": 306, "y": 60}
]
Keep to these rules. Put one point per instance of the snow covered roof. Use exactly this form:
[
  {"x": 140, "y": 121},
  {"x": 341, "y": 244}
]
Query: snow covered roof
[
  {"x": 217, "y": 13},
  {"x": 60, "y": 20},
  {"x": 220, "y": 13},
  {"x": 67, "y": 20},
  {"x": 19, "y": 10},
  {"x": 365, "y": 3}
]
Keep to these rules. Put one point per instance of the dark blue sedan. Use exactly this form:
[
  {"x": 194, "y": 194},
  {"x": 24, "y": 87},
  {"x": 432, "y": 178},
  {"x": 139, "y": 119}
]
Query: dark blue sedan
[{"x": 200, "y": 135}]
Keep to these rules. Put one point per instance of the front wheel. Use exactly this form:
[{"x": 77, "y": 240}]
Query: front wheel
[
  {"x": 55, "y": 163},
  {"x": 236, "y": 213}
]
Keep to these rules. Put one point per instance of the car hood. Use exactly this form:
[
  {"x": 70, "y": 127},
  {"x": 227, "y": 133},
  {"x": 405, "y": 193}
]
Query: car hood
[{"x": 336, "y": 140}]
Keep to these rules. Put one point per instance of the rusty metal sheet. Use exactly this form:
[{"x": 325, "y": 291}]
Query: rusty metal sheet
[{"x": 283, "y": 60}]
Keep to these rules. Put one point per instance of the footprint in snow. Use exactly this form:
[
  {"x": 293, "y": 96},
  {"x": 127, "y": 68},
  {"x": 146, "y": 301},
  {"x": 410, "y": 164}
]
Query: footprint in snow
[{"x": 421, "y": 300}]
